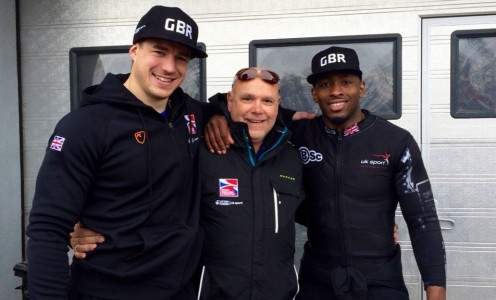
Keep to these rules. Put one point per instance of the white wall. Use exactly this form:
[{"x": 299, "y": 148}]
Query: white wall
[{"x": 10, "y": 166}]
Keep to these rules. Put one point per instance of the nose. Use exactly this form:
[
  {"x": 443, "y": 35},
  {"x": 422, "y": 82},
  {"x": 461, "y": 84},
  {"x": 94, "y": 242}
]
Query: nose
[
  {"x": 335, "y": 90},
  {"x": 257, "y": 107},
  {"x": 168, "y": 64}
]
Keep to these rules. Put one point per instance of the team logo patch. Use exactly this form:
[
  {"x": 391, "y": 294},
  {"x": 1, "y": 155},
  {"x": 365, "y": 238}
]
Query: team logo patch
[
  {"x": 140, "y": 136},
  {"x": 57, "y": 143},
  {"x": 227, "y": 202},
  {"x": 380, "y": 161},
  {"x": 228, "y": 187},
  {"x": 308, "y": 155},
  {"x": 190, "y": 123},
  {"x": 384, "y": 156}
]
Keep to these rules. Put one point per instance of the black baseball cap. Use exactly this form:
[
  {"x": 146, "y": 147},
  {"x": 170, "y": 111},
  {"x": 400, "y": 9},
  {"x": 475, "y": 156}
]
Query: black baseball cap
[
  {"x": 334, "y": 59},
  {"x": 171, "y": 24}
]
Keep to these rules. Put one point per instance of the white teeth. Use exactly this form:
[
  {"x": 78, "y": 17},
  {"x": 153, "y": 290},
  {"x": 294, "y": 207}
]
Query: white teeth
[
  {"x": 255, "y": 121},
  {"x": 164, "y": 79},
  {"x": 337, "y": 103}
]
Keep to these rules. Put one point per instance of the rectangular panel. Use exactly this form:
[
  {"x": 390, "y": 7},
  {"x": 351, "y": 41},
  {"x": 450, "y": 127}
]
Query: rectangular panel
[
  {"x": 473, "y": 73},
  {"x": 380, "y": 61}
]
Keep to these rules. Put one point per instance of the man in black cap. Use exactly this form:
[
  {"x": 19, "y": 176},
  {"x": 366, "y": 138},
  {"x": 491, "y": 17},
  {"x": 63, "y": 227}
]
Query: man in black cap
[
  {"x": 357, "y": 168},
  {"x": 123, "y": 165}
]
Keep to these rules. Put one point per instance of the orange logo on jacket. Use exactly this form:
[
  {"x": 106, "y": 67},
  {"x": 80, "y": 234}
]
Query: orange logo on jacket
[{"x": 140, "y": 136}]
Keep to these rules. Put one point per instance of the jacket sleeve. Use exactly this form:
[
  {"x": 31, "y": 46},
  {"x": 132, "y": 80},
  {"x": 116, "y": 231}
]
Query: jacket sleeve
[
  {"x": 62, "y": 183},
  {"x": 287, "y": 115},
  {"x": 418, "y": 208}
]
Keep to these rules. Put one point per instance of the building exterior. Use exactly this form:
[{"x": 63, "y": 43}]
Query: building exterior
[{"x": 458, "y": 147}]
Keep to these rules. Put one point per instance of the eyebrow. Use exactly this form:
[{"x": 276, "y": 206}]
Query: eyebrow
[
  {"x": 252, "y": 96},
  {"x": 185, "y": 52}
]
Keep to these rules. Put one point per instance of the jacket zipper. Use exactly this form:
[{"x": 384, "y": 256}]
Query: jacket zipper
[{"x": 339, "y": 201}]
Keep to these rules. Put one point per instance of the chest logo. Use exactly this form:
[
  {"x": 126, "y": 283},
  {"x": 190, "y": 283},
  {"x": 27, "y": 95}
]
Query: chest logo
[
  {"x": 190, "y": 124},
  {"x": 381, "y": 161},
  {"x": 228, "y": 187},
  {"x": 308, "y": 155},
  {"x": 140, "y": 136}
]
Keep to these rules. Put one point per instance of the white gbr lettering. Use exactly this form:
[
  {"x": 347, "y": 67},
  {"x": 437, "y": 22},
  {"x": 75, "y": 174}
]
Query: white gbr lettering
[
  {"x": 332, "y": 58},
  {"x": 181, "y": 27}
]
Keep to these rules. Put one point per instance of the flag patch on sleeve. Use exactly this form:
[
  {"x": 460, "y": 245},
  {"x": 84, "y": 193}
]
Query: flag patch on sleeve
[{"x": 57, "y": 143}]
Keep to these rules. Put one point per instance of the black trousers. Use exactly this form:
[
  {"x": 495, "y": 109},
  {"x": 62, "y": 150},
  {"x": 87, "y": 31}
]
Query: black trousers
[
  {"x": 185, "y": 294},
  {"x": 320, "y": 291}
]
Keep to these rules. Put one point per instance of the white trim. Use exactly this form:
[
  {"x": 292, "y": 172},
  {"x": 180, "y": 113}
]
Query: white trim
[
  {"x": 201, "y": 283},
  {"x": 276, "y": 211},
  {"x": 297, "y": 282}
]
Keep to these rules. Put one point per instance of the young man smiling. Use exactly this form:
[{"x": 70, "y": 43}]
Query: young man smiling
[
  {"x": 365, "y": 167},
  {"x": 123, "y": 165}
]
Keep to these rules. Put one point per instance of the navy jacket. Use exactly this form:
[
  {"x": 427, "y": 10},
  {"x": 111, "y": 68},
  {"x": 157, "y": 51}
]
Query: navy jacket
[
  {"x": 354, "y": 182},
  {"x": 125, "y": 171},
  {"x": 247, "y": 213}
]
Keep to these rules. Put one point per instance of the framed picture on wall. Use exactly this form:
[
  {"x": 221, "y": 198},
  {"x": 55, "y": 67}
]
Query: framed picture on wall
[
  {"x": 380, "y": 62},
  {"x": 89, "y": 65},
  {"x": 473, "y": 73}
]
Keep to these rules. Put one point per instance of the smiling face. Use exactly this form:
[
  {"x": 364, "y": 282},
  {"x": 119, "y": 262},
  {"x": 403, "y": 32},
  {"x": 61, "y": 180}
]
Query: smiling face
[
  {"x": 255, "y": 103},
  {"x": 159, "y": 67},
  {"x": 338, "y": 96}
]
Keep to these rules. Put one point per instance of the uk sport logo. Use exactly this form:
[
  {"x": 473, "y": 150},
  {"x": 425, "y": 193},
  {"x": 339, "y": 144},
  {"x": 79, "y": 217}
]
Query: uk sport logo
[
  {"x": 384, "y": 156},
  {"x": 227, "y": 202},
  {"x": 228, "y": 187},
  {"x": 380, "y": 161}
]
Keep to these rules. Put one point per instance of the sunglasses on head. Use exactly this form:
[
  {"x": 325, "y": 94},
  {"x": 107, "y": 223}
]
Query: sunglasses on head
[{"x": 246, "y": 74}]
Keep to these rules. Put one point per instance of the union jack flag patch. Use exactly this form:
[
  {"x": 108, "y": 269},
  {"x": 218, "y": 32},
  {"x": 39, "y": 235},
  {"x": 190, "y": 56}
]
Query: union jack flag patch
[
  {"x": 228, "y": 187},
  {"x": 190, "y": 123},
  {"x": 57, "y": 143}
]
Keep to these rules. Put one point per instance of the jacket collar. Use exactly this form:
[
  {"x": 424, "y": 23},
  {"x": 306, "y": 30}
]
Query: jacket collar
[{"x": 354, "y": 129}]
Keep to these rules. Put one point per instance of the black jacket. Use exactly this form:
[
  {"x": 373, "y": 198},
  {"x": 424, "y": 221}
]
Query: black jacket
[
  {"x": 126, "y": 172},
  {"x": 353, "y": 184},
  {"x": 247, "y": 214}
]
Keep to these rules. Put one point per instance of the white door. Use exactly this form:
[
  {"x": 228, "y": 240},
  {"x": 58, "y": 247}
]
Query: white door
[{"x": 460, "y": 156}]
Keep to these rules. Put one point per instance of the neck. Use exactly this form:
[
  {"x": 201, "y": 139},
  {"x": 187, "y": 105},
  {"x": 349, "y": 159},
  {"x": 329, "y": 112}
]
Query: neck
[
  {"x": 347, "y": 124},
  {"x": 158, "y": 105},
  {"x": 256, "y": 147}
]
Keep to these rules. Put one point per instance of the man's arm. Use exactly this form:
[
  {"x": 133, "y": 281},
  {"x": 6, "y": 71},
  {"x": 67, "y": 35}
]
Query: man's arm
[
  {"x": 218, "y": 136},
  {"x": 418, "y": 208},
  {"x": 436, "y": 293},
  {"x": 63, "y": 179}
]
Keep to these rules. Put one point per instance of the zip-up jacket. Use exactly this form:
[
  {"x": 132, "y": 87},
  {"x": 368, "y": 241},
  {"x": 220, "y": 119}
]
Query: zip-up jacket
[
  {"x": 354, "y": 181},
  {"x": 248, "y": 203},
  {"x": 125, "y": 171}
]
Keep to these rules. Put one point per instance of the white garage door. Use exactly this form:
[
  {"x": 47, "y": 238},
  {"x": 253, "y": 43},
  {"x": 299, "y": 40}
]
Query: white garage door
[{"x": 460, "y": 153}]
